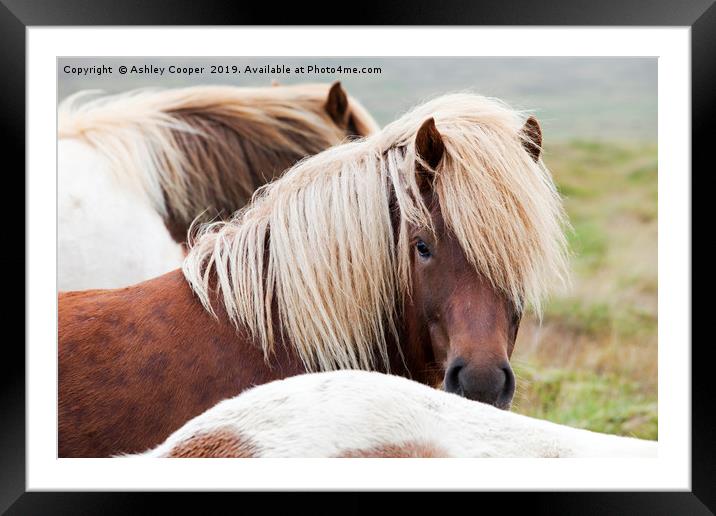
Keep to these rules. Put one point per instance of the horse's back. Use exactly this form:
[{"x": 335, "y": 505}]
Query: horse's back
[
  {"x": 368, "y": 414},
  {"x": 107, "y": 341},
  {"x": 136, "y": 363}
]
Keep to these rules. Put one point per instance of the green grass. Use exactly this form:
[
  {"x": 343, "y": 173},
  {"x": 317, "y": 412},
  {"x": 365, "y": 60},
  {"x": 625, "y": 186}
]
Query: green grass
[
  {"x": 592, "y": 363},
  {"x": 588, "y": 242},
  {"x": 600, "y": 318},
  {"x": 603, "y": 403},
  {"x": 579, "y": 316}
]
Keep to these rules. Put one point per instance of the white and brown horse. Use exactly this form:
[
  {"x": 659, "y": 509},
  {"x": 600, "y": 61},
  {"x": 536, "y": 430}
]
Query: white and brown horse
[
  {"x": 413, "y": 251},
  {"x": 369, "y": 414},
  {"x": 136, "y": 169}
]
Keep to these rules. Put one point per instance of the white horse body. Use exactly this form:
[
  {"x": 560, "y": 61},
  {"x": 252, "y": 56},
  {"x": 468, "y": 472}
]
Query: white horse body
[
  {"x": 358, "y": 413},
  {"x": 106, "y": 225}
]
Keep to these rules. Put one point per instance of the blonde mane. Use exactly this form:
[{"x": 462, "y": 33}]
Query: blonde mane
[
  {"x": 315, "y": 250},
  {"x": 206, "y": 149}
]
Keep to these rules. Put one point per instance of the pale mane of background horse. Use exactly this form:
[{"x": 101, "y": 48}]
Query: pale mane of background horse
[
  {"x": 368, "y": 414},
  {"x": 136, "y": 168},
  {"x": 333, "y": 268}
]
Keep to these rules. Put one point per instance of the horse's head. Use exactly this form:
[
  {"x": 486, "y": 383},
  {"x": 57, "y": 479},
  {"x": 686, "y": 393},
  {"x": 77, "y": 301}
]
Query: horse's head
[
  {"x": 431, "y": 239},
  {"x": 456, "y": 317}
]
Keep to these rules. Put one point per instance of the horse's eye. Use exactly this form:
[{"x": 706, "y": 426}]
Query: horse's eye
[{"x": 423, "y": 249}]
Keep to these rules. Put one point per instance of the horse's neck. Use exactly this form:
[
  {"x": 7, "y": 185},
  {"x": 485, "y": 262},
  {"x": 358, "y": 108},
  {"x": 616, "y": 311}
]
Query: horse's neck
[
  {"x": 410, "y": 353},
  {"x": 109, "y": 235}
]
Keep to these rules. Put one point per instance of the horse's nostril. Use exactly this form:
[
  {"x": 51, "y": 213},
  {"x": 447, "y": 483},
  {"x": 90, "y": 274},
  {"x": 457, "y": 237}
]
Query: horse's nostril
[
  {"x": 508, "y": 389},
  {"x": 508, "y": 380},
  {"x": 452, "y": 376}
]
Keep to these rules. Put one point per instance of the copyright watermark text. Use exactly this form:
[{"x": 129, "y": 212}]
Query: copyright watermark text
[{"x": 228, "y": 69}]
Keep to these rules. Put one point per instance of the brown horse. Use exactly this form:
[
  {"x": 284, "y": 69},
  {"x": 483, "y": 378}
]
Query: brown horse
[
  {"x": 413, "y": 251},
  {"x": 136, "y": 169}
]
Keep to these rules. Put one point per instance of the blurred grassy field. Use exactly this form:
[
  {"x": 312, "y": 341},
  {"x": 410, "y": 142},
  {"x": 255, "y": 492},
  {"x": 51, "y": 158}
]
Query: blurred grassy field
[{"x": 592, "y": 363}]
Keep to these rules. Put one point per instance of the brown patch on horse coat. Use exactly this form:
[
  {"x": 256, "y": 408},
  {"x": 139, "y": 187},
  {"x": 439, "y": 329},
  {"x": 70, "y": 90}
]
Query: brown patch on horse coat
[
  {"x": 220, "y": 443},
  {"x": 137, "y": 363},
  {"x": 398, "y": 451}
]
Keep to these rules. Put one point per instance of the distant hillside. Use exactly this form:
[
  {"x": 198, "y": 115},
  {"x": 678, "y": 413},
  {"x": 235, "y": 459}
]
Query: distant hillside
[{"x": 575, "y": 98}]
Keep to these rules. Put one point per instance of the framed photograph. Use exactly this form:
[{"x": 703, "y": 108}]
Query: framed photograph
[{"x": 486, "y": 209}]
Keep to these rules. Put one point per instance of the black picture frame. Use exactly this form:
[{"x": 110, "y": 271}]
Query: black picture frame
[{"x": 17, "y": 15}]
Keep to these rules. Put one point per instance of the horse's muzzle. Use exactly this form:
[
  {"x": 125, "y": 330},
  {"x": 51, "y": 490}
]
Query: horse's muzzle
[{"x": 489, "y": 383}]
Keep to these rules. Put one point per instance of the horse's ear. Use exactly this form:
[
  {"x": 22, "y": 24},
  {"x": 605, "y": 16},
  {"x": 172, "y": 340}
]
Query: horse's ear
[
  {"x": 429, "y": 143},
  {"x": 532, "y": 138},
  {"x": 430, "y": 147},
  {"x": 337, "y": 104}
]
